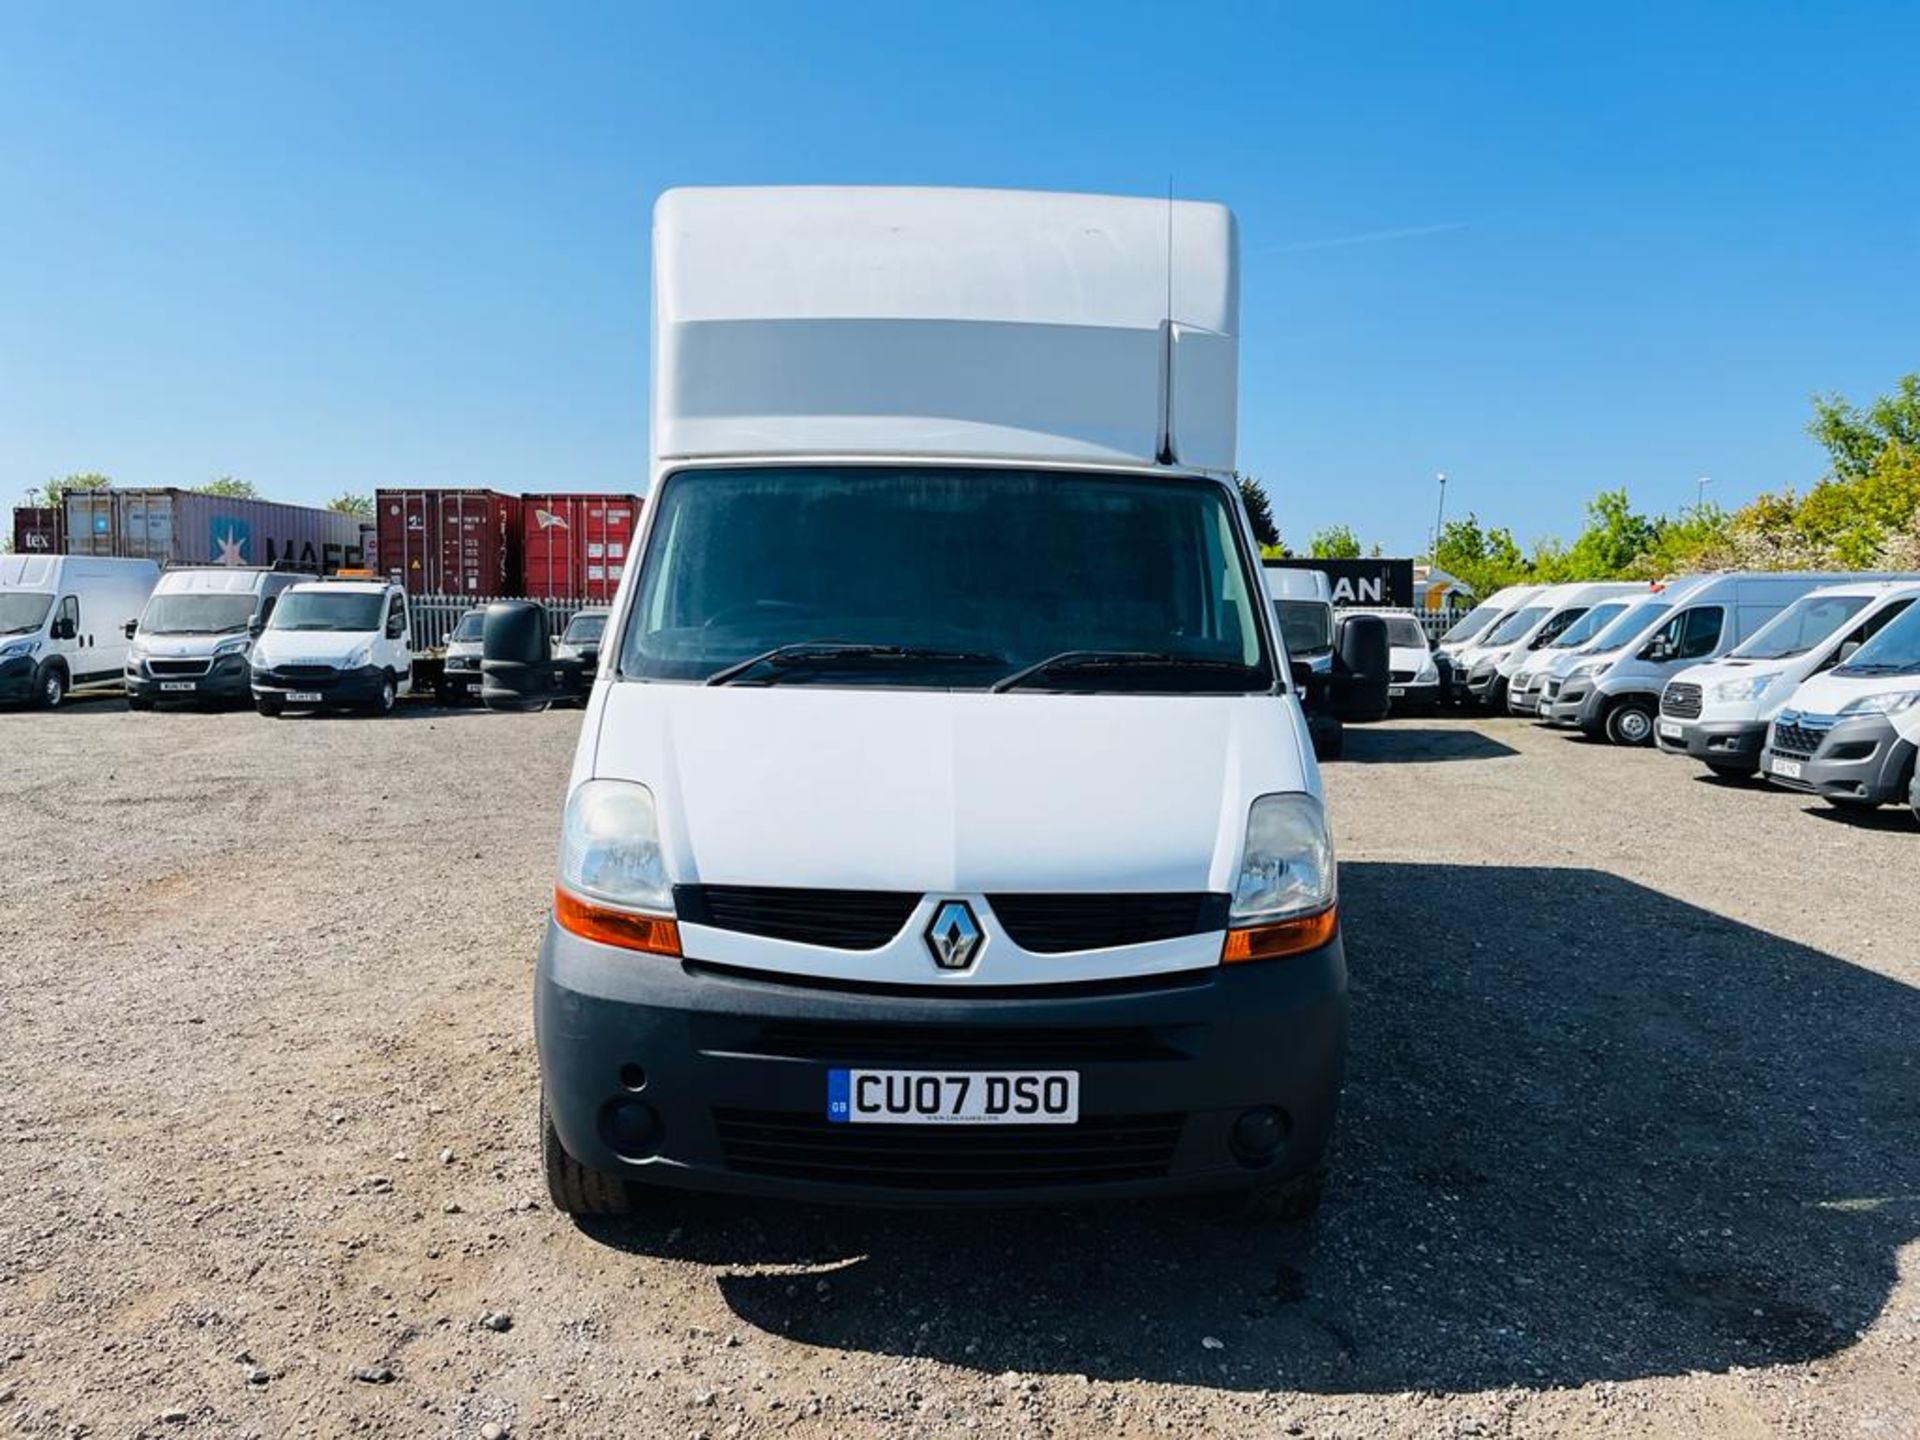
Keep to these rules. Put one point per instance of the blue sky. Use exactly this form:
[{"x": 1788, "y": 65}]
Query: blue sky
[{"x": 1544, "y": 248}]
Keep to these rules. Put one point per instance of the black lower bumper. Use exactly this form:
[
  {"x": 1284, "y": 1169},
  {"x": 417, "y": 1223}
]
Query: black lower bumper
[
  {"x": 16, "y": 679},
  {"x": 733, "y": 1068},
  {"x": 1732, "y": 744},
  {"x": 225, "y": 679},
  {"x": 338, "y": 687}
]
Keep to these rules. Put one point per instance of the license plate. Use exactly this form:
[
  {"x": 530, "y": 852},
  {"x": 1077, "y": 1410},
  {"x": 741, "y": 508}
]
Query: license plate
[
  {"x": 177, "y": 685},
  {"x": 1787, "y": 769},
  {"x": 303, "y": 697},
  {"x": 1396, "y": 692},
  {"x": 948, "y": 1097},
  {"x": 1672, "y": 729}
]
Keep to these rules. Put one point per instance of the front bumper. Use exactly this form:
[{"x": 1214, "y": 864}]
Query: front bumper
[
  {"x": 16, "y": 679},
  {"x": 1406, "y": 695},
  {"x": 334, "y": 687},
  {"x": 1713, "y": 742},
  {"x": 1862, "y": 758},
  {"x": 734, "y": 1066},
  {"x": 224, "y": 679}
]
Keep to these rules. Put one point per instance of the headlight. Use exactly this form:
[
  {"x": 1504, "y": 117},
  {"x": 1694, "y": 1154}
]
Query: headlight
[
  {"x": 1745, "y": 687},
  {"x": 236, "y": 646},
  {"x": 1283, "y": 902},
  {"x": 1887, "y": 702},
  {"x": 1429, "y": 673},
  {"x": 1589, "y": 667},
  {"x": 361, "y": 657},
  {"x": 611, "y": 867},
  {"x": 14, "y": 649}
]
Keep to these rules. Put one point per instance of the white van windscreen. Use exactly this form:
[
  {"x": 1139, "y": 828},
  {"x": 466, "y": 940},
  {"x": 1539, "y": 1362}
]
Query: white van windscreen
[
  {"x": 355, "y": 610},
  {"x": 1306, "y": 626},
  {"x": 1471, "y": 623},
  {"x": 1516, "y": 625},
  {"x": 23, "y": 611},
  {"x": 1894, "y": 651},
  {"x": 1625, "y": 628},
  {"x": 946, "y": 578},
  {"x": 1590, "y": 625},
  {"x": 1800, "y": 627},
  {"x": 203, "y": 614}
]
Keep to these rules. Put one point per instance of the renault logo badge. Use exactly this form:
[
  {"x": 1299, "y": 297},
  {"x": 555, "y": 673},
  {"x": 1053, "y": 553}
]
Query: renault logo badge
[{"x": 953, "y": 935}]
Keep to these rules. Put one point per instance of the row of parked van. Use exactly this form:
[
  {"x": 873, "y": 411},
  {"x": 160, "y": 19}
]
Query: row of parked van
[
  {"x": 1812, "y": 680},
  {"x": 281, "y": 639}
]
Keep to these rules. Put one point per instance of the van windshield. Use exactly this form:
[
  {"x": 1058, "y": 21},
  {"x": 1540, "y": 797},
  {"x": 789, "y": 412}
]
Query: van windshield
[
  {"x": 585, "y": 629},
  {"x": 197, "y": 614},
  {"x": 471, "y": 626},
  {"x": 1800, "y": 627},
  {"x": 1472, "y": 623},
  {"x": 1515, "y": 625},
  {"x": 1403, "y": 631},
  {"x": 1590, "y": 625},
  {"x": 1894, "y": 651},
  {"x": 329, "y": 610},
  {"x": 22, "y": 611},
  {"x": 947, "y": 578},
  {"x": 1306, "y": 626},
  {"x": 1628, "y": 626}
]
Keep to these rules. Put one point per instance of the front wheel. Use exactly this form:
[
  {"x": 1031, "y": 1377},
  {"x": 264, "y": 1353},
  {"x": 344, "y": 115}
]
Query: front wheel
[
  {"x": 1630, "y": 723},
  {"x": 574, "y": 1188},
  {"x": 269, "y": 708},
  {"x": 388, "y": 694},
  {"x": 50, "y": 690},
  {"x": 139, "y": 702}
]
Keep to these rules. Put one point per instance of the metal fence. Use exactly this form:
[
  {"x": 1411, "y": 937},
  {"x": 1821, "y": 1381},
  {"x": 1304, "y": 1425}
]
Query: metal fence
[
  {"x": 1435, "y": 622},
  {"x": 434, "y": 616}
]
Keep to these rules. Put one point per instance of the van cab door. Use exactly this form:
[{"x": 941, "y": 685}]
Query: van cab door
[
  {"x": 66, "y": 639},
  {"x": 395, "y": 646}
]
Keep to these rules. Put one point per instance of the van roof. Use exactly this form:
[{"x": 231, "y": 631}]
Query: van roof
[
  {"x": 998, "y": 325},
  {"x": 211, "y": 580}
]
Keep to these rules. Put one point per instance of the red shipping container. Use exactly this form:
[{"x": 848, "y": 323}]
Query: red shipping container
[
  {"x": 39, "y": 530},
  {"x": 449, "y": 542},
  {"x": 576, "y": 547}
]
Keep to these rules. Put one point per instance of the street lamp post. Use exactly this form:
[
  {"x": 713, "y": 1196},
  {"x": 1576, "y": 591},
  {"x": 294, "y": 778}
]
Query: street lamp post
[
  {"x": 1700, "y": 490},
  {"x": 1439, "y": 518}
]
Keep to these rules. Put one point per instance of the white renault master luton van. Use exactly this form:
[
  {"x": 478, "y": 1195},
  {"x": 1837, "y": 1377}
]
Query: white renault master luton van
[
  {"x": 192, "y": 640},
  {"x": 63, "y": 622},
  {"x": 1718, "y": 712},
  {"x": 333, "y": 644},
  {"x": 943, "y": 826},
  {"x": 1850, "y": 733}
]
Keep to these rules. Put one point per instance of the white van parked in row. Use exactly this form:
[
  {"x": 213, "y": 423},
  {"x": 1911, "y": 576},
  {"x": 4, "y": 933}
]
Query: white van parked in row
[
  {"x": 943, "y": 826},
  {"x": 335, "y": 643},
  {"x": 1523, "y": 687},
  {"x": 63, "y": 622},
  {"x": 1850, "y": 734},
  {"x": 1562, "y": 681},
  {"x": 191, "y": 641},
  {"x": 1491, "y": 662},
  {"x": 1469, "y": 630},
  {"x": 1413, "y": 678},
  {"x": 1718, "y": 713},
  {"x": 1619, "y": 696}
]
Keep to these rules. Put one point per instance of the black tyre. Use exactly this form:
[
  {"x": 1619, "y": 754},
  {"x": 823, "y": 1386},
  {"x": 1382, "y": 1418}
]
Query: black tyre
[
  {"x": 573, "y": 1188},
  {"x": 389, "y": 694},
  {"x": 1631, "y": 723},
  {"x": 272, "y": 709},
  {"x": 1290, "y": 1202},
  {"x": 139, "y": 702},
  {"x": 50, "y": 687},
  {"x": 1329, "y": 741}
]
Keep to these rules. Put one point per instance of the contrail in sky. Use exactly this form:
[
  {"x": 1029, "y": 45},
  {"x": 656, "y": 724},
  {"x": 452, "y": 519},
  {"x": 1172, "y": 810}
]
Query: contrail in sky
[{"x": 1367, "y": 237}]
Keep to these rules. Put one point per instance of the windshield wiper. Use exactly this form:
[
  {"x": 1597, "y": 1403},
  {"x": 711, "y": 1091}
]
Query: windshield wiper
[
  {"x": 834, "y": 652},
  {"x": 1110, "y": 660},
  {"x": 1877, "y": 667}
]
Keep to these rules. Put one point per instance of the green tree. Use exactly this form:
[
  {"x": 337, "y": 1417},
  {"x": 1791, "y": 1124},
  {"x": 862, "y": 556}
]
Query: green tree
[
  {"x": 231, "y": 488},
  {"x": 1254, "y": 496},
  {"x": 1615, "y": 537},
  {"x": 54, "y": 492},
  {"x": 1854, "y": 438},
  {"x": 348, "y": 503},
  {"x": 1336, "y": 542},
  {"x": 1482, "y": 559}
]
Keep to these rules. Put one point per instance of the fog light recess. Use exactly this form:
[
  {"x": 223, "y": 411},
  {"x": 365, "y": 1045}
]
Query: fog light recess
[
  {"x": 631, "y": 1128},
  {"x": 1259, "y": 1135}
]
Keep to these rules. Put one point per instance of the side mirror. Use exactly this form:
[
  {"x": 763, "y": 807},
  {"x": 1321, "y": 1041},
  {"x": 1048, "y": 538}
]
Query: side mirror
[
  {"x": 62, "y": 630},
  {"x": 1302, "y": 674},
  {"x": 517, "y": 671},
  {"x": 1365, "y": 658},
  {"x": 256, "y": 627},
  {"x": 130, "y": 627},
  {"x": 1849, "y": 650}
]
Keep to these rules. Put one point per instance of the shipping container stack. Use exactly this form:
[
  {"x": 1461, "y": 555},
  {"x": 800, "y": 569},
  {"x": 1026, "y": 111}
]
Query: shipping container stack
[
  {"x": 188, "y": 527},
  {"x": 575, "y": 547},
  {"x": 39, "y": 530},
  {"x": 449, "y": 542}
]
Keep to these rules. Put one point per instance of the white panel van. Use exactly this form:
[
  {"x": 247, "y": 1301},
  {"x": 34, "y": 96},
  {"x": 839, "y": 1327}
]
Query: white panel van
[
  {"x": 1850, "y": 733},
  {"x": 63, "y": 622}
]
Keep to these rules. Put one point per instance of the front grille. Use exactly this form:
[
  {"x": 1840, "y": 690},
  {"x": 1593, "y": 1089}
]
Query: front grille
[
  {"x": 1101, "y": 1149},
  {"x": 1057, "y": 924},
  {"x": 1681, "y": 700},
  {"x": 1400, "y": 677},
  {"x": 839, "y": 919},
  {"x": 312, "y": 674},
  {"x": 975, "y": 1046},
  {"x": 1550, "y": 689},
  {"x": 170, "y": 669},
  {"x": 1791, "y": 737}
]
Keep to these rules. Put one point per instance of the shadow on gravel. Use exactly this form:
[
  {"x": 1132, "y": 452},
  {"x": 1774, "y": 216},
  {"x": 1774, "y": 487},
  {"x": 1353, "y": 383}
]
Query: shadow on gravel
[
  {"x": 1365, "y": 746},
  {"x": 1590, "y": 1133},
  {"x": 1890, "y": 817}
]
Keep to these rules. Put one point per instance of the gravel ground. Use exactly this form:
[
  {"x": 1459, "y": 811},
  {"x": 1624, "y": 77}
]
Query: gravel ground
[{"x": 1629, "y": 1145}]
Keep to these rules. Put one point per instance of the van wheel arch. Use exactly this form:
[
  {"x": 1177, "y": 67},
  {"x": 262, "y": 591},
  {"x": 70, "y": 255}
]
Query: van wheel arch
[
  {"x": 51, "y": 683},
  {"x": 1630, "y": 720}
]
